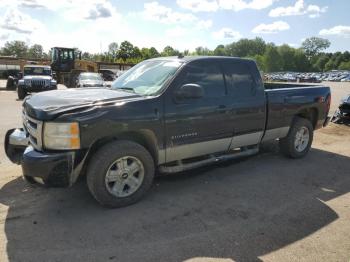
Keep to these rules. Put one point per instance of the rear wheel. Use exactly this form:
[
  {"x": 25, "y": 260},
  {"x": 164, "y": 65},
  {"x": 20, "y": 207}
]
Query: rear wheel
[
  {"x": 120, "y": 173},
  {"x": 299, "y": 139},
  {"x": 21, "y": 93}
]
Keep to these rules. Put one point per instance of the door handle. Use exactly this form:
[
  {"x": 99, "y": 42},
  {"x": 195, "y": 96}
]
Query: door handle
[{"x": 221, "y": 109}]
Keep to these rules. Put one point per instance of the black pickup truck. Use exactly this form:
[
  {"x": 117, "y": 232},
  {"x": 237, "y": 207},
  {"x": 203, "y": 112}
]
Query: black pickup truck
[{"x": 165, "y": 114}]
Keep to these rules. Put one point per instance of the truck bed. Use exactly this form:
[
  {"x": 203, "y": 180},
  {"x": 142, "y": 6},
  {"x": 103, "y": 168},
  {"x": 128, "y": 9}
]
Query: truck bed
[
  {"x": 272, "y": 86},
  {"x": 284, "y": 101}
]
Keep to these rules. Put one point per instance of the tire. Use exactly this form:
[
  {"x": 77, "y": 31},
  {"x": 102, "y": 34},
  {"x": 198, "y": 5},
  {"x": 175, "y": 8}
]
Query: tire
[
  {"x": 10, "y": 84},
  {"x": 296, "y": 145},
  {"x": 111, "y": 158},
  {"x": 21, "y": 93}
]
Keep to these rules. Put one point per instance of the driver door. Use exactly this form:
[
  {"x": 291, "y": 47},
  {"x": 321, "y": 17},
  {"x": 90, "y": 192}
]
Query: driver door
[{"x": 196, "y": 127}]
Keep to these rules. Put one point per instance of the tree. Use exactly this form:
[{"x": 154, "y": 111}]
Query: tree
[
  {"x": 153, "y": 52},
  {"x": 15, "y": 48},
  {"x": 302, "y": 63},
  {"x": 320, "y": 62},
  {"x": 136, "y": 53},
  {"x": 272, "y": 59},
  {"x": 287, "y": 56},
  {"x": 220, "y": 50},
  {"x": 314, "y": 45},
  {"x": 247, "y": 47},
  {"x": 203, "y": 51},
  {"x": 35, "y": 51},
  {"x": 125, "y": 51},
  {"x": 113, "y": 49},
  {"x": 169, "y": 51},
  {"x": 344, "y": 66},
  {"x": 87, "y": 56}
]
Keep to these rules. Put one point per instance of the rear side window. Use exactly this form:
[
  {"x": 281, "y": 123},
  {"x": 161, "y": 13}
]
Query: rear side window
[
  {"x": 208, "y": 75},
  {"x": 239, "y": 79}
]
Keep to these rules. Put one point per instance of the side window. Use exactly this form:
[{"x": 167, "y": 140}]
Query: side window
[
  {"x": 239, "y": 80},
  {"x": 206, "y": 74}
]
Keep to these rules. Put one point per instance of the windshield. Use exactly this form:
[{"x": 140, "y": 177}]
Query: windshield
[
  {"x": 37, "y": 71},
  {"x": 148, "y": 77},
  {"x": 90, "y": 77}
]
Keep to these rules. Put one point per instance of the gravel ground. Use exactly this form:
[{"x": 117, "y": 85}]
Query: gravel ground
[{"x": 265, "y": 208}]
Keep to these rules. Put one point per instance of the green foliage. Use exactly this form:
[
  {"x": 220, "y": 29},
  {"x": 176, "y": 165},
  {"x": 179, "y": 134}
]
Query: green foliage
[
  {"x": 125, "y": 51},
  {"x": 220, "y": 50},
  {"x": 344, "y": 66},
  {"x": 113, "y": 49},
  {"x": 170, "y": 51},
  {"x": 204, "y": 51},
  {"x": 15, "y": 48},
  {"x": 314, "y": 45},
  {"x": 268, "y": 56},
  {"x": 36, "y": 51},
  {"x": 272, "y": 59},
  {"x": 246, "y": 48}
]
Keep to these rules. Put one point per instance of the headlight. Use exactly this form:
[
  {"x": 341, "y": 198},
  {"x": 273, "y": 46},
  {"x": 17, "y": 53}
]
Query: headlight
[{"x": 61, "y": 136}]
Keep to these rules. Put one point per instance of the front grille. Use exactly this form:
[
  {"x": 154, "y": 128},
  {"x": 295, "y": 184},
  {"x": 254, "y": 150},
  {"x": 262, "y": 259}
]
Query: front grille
[
  {"x": 34, "y": 129},
  {"x": 36, "y": 83}
]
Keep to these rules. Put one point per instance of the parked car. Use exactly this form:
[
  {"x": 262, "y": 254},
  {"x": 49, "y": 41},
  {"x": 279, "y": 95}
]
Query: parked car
[
  {"x": 108, "y": 74},
  {"x": 36, "y": 78},
  {"x": 87, "y": 79},
  {"x": 310, "y": 77},
  {"x": 343, "y": 111},
  {"x": 170, "y": 114}
]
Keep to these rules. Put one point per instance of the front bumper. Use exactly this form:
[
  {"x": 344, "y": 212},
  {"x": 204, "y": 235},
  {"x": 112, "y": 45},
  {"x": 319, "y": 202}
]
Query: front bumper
[
  {"x": 37, "y": 89},
  {"x": 56, "y": 169},
  {"x": 52, "y": 169}
]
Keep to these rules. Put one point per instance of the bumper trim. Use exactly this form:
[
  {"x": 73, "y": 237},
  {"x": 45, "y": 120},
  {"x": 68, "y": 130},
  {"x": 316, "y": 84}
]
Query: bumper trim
[
  {"x": 15, "y": 143},
  {"x": 18, "y": 138}
]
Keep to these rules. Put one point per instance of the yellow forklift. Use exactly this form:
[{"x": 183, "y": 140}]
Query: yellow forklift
[{"x": 67, "y": 64}]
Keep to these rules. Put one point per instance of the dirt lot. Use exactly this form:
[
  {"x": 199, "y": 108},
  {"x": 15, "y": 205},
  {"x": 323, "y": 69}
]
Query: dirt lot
[{"x": 265, "y": 208}]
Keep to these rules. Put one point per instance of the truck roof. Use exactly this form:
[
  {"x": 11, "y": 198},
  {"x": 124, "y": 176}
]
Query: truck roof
[{"x": 194, "y": 58}]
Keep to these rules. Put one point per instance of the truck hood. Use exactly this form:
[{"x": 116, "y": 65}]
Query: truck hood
[
  {"x": 47, "y": 105},
  {"x": 37, "y": 77},
  {"x": 90, "y": 83}
]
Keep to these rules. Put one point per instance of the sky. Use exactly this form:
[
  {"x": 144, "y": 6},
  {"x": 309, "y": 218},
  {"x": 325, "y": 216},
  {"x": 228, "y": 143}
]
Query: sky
[{"x": 91, "y": 25}]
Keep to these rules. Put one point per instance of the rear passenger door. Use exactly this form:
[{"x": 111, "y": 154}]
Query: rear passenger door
[
  {"x": 196, "y": 127},
  {"x": 247, "y": 101}
]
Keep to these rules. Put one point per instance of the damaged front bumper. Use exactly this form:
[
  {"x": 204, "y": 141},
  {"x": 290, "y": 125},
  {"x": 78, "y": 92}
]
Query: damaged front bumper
[
  {"x": 16, "y": 142},
  {"x": 57, "y": 169}
]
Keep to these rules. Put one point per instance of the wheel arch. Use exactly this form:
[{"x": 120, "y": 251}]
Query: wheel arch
[
  {"x": 145, "y": 138},
  {"x": 310, "y": 114}
]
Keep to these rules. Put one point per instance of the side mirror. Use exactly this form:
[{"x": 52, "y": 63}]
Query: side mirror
[
  {"x": 190, "y": 91},
  {"x": 19, "y": 75},
  {"x": 54, "y": 75}
]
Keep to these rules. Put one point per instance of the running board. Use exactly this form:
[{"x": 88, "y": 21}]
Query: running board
[{"x": 213, "y": 159}]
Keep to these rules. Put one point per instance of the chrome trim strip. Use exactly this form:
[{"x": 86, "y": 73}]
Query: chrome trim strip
[
  {"x": 161, "y": 156},
  {"x": 33, "y": 132},
  {"x": 272, "y": 134},
  {"x": 18, "y": 138},
  {"x": 246, "y": 140},
  {"x": 197, "y": 149},
  {"x": 210, "y": 147}
]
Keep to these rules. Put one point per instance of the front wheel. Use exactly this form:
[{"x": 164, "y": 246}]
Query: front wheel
[
  {"x": 120, "y": 173},
  {"x": 299, "y": 139}
]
